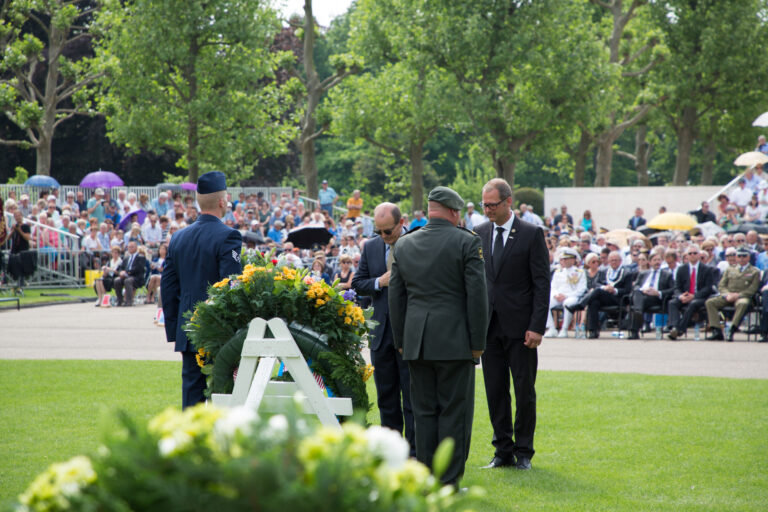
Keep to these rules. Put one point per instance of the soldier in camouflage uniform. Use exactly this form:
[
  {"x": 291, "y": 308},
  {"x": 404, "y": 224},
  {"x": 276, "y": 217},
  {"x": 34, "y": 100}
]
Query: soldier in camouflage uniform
[{"x": 737, "y": 286}]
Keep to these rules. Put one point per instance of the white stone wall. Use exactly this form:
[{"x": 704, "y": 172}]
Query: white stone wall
[{"x": 612, "y": 207}]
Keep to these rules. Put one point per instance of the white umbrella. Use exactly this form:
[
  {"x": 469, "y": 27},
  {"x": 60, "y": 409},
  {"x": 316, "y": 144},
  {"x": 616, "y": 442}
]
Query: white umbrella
[
  {"x": 709, "y": 228},
  {"x": 762, "y": 120},
  {"x": 750, "y": 159}
]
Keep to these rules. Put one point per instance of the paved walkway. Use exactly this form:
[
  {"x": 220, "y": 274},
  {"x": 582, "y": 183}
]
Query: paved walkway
[{"x": 81, "y": 331}]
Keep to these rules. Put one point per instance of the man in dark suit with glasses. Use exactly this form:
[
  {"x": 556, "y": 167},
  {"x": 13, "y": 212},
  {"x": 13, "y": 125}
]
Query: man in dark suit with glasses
[
  {"x": 390, "y": 373},
  {"x": 518, "y": 282}
]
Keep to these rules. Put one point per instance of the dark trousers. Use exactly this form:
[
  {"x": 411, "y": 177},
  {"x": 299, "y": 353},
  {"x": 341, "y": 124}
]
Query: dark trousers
[
  {"x": 502, "y": 356},
  {"x": 764, "y": 316},
  {"x": 641, "y": 303},
  {"x": 600, "y": 298},
  {"x": 393, "y": 380},
  {"x": 681, "y": 322},
  {"x": 192, "y": 381},
  {"x": 443, "y": 396},
  {"x": 130, "y": 285}
]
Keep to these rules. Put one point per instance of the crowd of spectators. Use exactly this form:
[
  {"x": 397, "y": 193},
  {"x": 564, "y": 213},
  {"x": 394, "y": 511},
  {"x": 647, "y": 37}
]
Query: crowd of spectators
[
  {"x": 591, "y": 270},
  {"x": 677, "y": 276}
]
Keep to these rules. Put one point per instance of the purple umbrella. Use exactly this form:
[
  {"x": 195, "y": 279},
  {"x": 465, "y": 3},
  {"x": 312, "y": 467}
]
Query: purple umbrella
[
  {"x": 101, "y": 179},
  {"x": 125, "y": 223},
  {"x": 188, "y": 186}
]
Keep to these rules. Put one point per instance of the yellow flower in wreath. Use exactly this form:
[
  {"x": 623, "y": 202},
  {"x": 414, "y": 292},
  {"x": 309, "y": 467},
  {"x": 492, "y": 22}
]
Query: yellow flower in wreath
[{"x": 224, "y": 282}]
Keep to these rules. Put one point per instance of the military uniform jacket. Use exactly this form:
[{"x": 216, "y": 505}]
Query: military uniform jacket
[
  {"x": 571, "y": 282},
  {"x": 744, "y": 283},
  {"x": 198, "y": 256},
  {"x": 438, "y": 304}
]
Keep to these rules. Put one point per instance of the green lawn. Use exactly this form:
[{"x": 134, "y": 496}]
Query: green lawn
[
  {"x": 604, "y": 441},
  {"x": 34, "y": 296}
]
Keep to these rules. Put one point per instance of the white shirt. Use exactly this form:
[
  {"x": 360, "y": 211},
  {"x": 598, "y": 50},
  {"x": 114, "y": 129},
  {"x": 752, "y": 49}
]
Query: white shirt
[
  {"x": 505, "y": 234},
  {"x": 741, "y": 196},
  {"x": 651, "y": 282}
]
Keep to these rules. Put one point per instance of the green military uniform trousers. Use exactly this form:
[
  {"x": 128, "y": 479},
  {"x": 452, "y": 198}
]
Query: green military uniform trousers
[{"x": 715, "y": 304}]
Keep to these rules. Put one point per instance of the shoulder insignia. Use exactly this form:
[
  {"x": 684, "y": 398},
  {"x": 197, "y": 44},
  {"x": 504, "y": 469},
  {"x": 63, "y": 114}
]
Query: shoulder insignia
[
  {"x": 480, "y": 251},
  {"x": 235, "y": 256},
  {"x": 467, "y": 230}
]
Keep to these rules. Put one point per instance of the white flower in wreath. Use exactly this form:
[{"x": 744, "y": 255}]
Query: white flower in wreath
[{"x": 388, "y": 445}]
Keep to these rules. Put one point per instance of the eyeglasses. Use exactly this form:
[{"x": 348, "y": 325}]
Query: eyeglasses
[
  {"x": 492, "y": 206},
  {"x": 386, "y": 232},
  {"x": 743, "y": 255}
]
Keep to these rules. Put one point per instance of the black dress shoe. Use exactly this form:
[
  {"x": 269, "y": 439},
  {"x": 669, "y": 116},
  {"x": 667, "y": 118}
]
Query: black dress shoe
[
  {"x": 672, "y": 334},
  {"x": 717, "y": 335},
  {"x": 763, "y": 338},
  {"x": 755, "y": 329},
  {"x": 592, "y": 335},
  {"x": 498, "y": 462},
  {"x": 633, "y": 335},
  {"x": 731, "y": 332},
  {"x": 523, "y": 463}
]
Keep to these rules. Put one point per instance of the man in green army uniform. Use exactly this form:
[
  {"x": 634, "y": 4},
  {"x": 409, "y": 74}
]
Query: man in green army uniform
[
  {"x": 438, "y": 307},
  {"x": 738, "y": 285}
]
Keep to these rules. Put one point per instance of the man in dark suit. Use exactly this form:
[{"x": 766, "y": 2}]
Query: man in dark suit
[
  {"x": 612, "y": 284},
  {"x": 390, "y": 372},
  {"x": 131, "y": 274},
  {"x": 198, "y": 256},
  {"x": 650, "y": 288},
  {"x": 439, "y": 312},
  {"x": 636, "y": 221},
  {"x": 518, "y": 281},
  {"x": 690, "y": 294}
]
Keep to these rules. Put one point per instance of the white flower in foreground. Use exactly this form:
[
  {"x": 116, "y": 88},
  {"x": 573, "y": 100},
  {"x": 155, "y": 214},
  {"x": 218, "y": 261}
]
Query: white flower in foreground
[
  {"x": 174, "y": 444},
  {"x": 389, "y": 445},
  {"x": 237, "y": 420},
  {"x": 277, "y": 428}
]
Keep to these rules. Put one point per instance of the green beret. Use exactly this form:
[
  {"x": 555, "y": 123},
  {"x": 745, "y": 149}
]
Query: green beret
[{"x": 446, "y": 197}]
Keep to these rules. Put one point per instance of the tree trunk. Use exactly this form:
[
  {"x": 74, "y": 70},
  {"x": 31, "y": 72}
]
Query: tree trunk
[
  {"x": 604, "y": 160},
  {"x": 45, "y": 137},
  {"x": 642, "y": 153},
  {"x": 580, "y": 158},
  {"x": 416, "y": 157},
  {"x": 708, "y": 166},
  {"x": 314, "y": 91},
  {"x": 193, "y": 128},
  {"x": 685, "y": 136},
  {"x": 505, "y": 168}
]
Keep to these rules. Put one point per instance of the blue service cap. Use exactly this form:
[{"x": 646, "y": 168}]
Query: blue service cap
[{"x": 210, "y": 182}]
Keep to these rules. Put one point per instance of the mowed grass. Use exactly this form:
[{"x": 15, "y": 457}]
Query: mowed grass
[
  {"x": 604, "y": 441},
  {"x": 46, "y": 295}
]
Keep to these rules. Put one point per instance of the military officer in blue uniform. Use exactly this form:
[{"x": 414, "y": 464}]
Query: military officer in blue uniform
[{"x": 198, "y": 256}]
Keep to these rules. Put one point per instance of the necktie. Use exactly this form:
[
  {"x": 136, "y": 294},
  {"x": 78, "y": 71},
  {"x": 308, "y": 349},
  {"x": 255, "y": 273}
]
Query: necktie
[
  {"x": 653, "y": 280},
  {"x": 390, "y": 257},
  {"x": 130, "y": 262},
  {"x": 692, "y": 285},
  {"x": 498, "y": 248}
]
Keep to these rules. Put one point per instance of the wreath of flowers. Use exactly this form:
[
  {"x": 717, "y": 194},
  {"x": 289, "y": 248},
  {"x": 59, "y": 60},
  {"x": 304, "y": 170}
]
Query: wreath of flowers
[{"x": 267, "y": 289}]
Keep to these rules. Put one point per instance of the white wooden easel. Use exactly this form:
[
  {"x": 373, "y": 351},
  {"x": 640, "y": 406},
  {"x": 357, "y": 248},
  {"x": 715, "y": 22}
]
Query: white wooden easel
[{"x": 253, "y": 387}]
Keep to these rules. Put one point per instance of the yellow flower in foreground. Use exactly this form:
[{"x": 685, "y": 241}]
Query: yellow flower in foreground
[{"x": 224, "y": 282}]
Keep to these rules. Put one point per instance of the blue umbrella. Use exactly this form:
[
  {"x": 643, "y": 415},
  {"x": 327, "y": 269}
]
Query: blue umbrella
[{"x": 38, "y": 180}]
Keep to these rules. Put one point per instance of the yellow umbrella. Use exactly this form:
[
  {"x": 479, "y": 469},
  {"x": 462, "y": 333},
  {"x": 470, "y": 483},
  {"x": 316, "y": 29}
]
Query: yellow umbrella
[
  {"x": 750, "y": 159},
  {"x": 671, "y": 221}
]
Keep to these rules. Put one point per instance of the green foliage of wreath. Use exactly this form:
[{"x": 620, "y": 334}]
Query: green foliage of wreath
[{"x": 217, "y": 326}]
